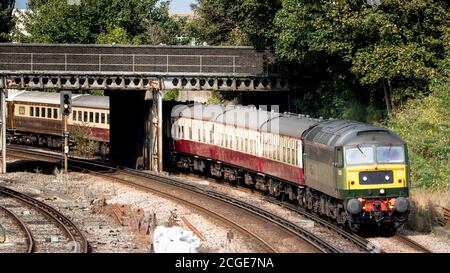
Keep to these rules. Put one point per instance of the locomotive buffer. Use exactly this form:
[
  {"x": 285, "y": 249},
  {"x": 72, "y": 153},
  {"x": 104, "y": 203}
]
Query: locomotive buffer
[{"x": 66, "y": 110}]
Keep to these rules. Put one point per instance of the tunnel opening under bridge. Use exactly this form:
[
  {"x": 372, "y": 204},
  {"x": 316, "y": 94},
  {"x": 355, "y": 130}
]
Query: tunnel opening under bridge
[{"x": 133, "y": 130}]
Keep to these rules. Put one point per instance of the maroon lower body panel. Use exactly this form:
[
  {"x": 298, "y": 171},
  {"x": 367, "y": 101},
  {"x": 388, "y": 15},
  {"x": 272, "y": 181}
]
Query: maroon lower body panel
[
  {"x": 261, "y": 165},
  {"x": 101, "y": 134}
]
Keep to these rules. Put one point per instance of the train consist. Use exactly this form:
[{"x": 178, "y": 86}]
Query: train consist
[
  {"x": 351, "y": 172},
  {"x": 35, "y": 118}
]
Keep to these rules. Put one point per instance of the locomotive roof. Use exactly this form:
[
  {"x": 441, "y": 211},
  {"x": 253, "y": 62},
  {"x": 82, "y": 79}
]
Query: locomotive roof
[
  {"x": 344, "y": 132},
  {"x": 54, "y": 98},
  {"x": 247, "y": 117}
]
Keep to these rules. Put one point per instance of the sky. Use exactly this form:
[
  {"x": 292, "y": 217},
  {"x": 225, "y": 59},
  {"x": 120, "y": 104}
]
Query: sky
[{"x": 176, "y": 5}]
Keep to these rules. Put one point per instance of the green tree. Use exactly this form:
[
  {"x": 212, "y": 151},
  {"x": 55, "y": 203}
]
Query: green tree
[
  {"x": 6, "y": 19},
  {"x": 234, "y": 22},
  {"x": 94, "y": 21},
  {"x": 396, "y": 47}
]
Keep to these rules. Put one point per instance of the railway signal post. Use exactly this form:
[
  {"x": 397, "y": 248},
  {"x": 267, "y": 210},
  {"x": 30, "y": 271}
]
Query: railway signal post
[
  {"x": 3, "y": 135},
  {"x": 66, "y": 109}
]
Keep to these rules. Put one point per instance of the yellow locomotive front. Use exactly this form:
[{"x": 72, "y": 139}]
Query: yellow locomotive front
[{"x": 375, "y": 183}]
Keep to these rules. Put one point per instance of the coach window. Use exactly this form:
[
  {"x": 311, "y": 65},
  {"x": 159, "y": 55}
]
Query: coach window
[
  {"x": 22, "y": 110},
  {"x": 31, "y": 111},
  {"x": 91, "y": 117},
  {"x": 80, "y": 115},
  {"x": 108, "y": 119},
  {"x": 55, "y": 113},
  {"x": 97, "y": 117},
  {"x": 43, "y": 112},
  {"x": 85, "y": 116},
  {"x": 102, "y": 118},
  {"x": 38, "y": 111},
  {"x": 211, "y": 136},
  {"x": 294, "y": 157},
  {"x": 49, "y": 112}
]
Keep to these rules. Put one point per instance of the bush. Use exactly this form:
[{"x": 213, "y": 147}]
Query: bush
[
  {"x": 424, "y": 123},
  {"x": 85, "y": 145},
  {"x": 171, "y": 95}
]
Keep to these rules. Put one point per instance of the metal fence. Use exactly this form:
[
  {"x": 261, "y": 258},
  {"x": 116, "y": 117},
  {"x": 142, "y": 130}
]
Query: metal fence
[{"x": 130, "y": 63}]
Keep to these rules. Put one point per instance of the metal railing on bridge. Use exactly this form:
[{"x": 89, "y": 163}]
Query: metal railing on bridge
[{"x": 136, "y": 67}]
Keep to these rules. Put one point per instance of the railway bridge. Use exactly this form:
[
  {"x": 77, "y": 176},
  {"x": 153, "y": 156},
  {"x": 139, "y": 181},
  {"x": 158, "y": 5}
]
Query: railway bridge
[{"x": 133, "y": 77}]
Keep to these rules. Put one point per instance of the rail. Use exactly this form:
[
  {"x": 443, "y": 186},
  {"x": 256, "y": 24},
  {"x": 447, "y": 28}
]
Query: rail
[{"x": 72, "y": 231}]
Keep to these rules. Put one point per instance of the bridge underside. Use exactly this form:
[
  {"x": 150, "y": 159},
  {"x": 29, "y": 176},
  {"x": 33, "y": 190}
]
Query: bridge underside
[{"x": 142, "y": 82}]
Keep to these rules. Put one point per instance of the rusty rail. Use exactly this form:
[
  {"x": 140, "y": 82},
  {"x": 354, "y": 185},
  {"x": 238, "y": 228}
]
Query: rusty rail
[{"x": 446, "y": 217}]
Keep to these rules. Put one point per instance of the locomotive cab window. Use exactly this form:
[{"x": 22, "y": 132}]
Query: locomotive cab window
[
  {"x": 390, "y": 154},
  {"x": 359, "y": 155},
  {"x": 339, "y": 160}
]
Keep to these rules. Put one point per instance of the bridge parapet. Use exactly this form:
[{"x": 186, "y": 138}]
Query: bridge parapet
[{"x": 136, "y": 67}]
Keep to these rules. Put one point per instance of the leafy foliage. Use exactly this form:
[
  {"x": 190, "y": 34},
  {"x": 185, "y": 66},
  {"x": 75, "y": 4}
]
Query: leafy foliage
[
  {"x": 424, "y": 123},
  {"x": 6, "y": 19},
  {"x": 398, "y": 46},
  {"x": 100, "y": 21},
  {"x": 171, "y": 95},
  {"x": 86, "y": 146},
  {"x": 234, "y": 22}
]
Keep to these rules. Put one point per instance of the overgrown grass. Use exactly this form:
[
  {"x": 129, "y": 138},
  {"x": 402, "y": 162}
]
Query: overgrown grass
[{"x": 425, "y": 210}]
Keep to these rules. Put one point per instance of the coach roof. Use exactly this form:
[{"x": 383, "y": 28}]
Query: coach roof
[{"x": 247, "y": 117}]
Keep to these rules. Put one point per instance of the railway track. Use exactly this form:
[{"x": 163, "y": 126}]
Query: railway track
[
  {"x": 11, "y": 228},
  {"x": 46, "y": 230},
  {"x": 362, "y": 243},
  {"x": 266, "y": 228},
  {"x": 412, "y": 244}
]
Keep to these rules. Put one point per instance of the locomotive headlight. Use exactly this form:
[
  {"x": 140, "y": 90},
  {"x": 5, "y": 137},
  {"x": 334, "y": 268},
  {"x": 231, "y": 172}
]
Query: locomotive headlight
[
  {"x": 365, "y": 178},
  {"x": 382, "y": 191},
  {"x": 387, "y": 177}
]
